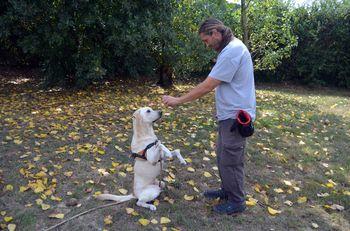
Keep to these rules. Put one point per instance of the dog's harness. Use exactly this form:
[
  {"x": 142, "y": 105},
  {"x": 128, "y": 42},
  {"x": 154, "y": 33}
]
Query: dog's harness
[{"x": 142, "y": 154}]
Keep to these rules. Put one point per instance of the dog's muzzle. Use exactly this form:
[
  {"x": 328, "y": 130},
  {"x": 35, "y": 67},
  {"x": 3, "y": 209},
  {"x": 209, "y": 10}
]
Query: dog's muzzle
[{"x": 160, "y": 113}]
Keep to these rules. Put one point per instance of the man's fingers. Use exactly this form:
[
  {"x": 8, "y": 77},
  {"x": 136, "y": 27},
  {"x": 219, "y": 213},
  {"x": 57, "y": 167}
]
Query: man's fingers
[
  {"x": 166, "y": 100},
  {"x": 169, "y": 100}
]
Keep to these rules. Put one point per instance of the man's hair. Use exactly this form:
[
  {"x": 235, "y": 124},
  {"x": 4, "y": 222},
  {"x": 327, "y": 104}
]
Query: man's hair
[{"x": 210, "y": 24}]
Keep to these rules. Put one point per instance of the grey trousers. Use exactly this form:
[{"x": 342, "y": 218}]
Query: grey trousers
[{"x": 230, "y": 149}]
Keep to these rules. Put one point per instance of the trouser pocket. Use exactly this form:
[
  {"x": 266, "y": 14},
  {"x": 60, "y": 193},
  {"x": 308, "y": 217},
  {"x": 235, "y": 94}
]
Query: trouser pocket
[{"x": 233, "y": 154}]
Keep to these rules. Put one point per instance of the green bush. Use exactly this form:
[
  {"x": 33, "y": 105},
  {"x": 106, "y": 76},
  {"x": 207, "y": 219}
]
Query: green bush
[
  {"x": 322, "y": 56},
  {"x": 270, "y": 33},
  {"x": 78, "y": 42}
]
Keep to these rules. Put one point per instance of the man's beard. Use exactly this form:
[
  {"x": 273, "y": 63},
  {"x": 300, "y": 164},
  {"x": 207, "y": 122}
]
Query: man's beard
[{"x": 215, "y": 45}]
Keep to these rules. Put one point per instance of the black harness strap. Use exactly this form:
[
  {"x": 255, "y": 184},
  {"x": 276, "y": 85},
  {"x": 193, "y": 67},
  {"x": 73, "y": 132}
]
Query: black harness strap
[{"x": 143, "y": 154}]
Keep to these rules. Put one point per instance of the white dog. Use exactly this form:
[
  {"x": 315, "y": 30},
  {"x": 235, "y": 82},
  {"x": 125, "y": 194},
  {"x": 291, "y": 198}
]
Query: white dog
[{"x": 149, "y": 155}]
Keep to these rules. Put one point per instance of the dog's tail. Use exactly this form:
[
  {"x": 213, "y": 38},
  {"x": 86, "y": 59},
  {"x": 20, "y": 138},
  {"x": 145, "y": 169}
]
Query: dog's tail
[{"x": 112, "y": 197}]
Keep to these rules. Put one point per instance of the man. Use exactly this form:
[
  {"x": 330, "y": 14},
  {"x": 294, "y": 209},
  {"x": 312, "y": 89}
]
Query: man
[{"x": 233, "y": 80}]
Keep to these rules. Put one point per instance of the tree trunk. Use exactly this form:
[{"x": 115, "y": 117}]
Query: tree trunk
[
  {"x": 244, "y": 22},
  {"x": 165, "y": 73}
]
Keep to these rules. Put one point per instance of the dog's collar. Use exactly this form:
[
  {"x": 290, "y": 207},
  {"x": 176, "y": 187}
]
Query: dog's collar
[{"x": 142, "y": 154}]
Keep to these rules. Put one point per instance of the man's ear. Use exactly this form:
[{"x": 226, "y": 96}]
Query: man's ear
[{"x": 216, "y": 33}]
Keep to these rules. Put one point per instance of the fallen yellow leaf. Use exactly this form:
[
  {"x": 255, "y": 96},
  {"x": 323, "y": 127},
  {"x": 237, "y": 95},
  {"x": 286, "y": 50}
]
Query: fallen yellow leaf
[
  {"x": 337, "y": 207},
  {"x": 118, "y": 148},
  {"x": 123, "y": 174},
  {"x": 97, "y": 193},
  {"x": 154, "y": 221},
  {"x": 23, "y": 188},
  {"x": 108, "y": 220},
  {"x": 278, "y": 190},
  {"x": 45, "y": 206},
  {"x": 251, "y": 202},
  {"x": 330, "y": 185},
  {"x": 9, "y": 187},
  {"x": 135, "y": 213},
  {"x": 257, "y": 188},
  {"x": 191, "y": 182},
  {"x": 54, "y": 198},
  {"x": 39, "y": 201},
  {"x": 287, "y": 182},
  {"x": 171, "y": 201},
  {"x": 190, "y": 169},
  {"x": 115, "y": 164},
  {"x": 144, "y": 222},
  {"x": 129, "y": 210},
  {"x": 8, "y": 219},
  {"x": 273, "y": 211},
  {"x": 101, "y": 152},
  {"x": 207, "y": 174},
  {"x": 156, "y": 202},
  {"x": 17, "y": 141},
  {"x": 188, "y": 197},
  {"x": 123, "y": 191},
  {"x": 57, "y": 215},
  {"x": 11, "y": 227},
  {"x": 164, "y": 220},
  {"x": 69, "y": 173},
  {"x": 302, "y": 200},
  {"x": 289, "y": 203}
]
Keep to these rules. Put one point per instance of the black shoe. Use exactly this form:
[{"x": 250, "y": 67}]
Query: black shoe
[
  {"x": 213, "y": 194},
  {"x": 229, "y": 208}
]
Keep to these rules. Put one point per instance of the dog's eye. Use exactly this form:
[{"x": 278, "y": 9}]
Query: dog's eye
[{"x": 148, "y": 111}]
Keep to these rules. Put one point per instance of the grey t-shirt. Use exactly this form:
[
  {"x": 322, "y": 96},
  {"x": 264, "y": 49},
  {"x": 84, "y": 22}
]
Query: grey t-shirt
[{"x": 234, "y": 68}]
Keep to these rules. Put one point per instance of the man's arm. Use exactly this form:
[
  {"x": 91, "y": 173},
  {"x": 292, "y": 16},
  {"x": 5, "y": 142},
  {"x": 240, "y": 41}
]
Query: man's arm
[{"x": 198, "y": 91}]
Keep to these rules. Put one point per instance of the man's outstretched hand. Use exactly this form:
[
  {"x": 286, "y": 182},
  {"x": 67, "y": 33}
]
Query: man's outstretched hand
[{"x": 171, "y": 101}]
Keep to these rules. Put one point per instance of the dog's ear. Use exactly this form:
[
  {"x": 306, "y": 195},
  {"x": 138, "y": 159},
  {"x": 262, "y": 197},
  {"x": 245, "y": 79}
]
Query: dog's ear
[{"x": 137, "y": 115}]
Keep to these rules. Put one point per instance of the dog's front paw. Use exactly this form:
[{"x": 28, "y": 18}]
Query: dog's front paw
[
  {"x": 183, "y": 162},
  {"x": 152, "y": 207},
  {"x": 162, "y": 184}
]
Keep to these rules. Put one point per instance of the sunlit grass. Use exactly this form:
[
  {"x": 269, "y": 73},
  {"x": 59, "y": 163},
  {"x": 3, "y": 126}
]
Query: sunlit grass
[{"x": 302, "y": 136}]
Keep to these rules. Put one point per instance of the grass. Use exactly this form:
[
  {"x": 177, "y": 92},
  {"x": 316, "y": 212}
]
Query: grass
[{"x": 76, "y": 143}]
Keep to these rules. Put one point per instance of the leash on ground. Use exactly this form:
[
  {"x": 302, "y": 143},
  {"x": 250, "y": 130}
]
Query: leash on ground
[
  {"x": 90, "y": 210},
  {"x": 85, "y": 212}
]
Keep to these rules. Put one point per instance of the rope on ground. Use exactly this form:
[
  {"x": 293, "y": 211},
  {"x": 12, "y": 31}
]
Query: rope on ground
[{"x": 90, "y": 210}]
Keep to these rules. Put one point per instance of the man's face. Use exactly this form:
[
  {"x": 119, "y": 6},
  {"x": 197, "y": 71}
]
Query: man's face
[{"x": 211, "y": 40}]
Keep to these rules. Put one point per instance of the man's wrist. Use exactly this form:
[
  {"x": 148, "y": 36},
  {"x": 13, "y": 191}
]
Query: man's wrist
[{"x": 181, "y": 100}]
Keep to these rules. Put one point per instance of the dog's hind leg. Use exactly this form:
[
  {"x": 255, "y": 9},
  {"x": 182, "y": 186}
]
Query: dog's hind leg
[
  {"x": 145, "y": 205},
  {"x": 149, "y": 193}
]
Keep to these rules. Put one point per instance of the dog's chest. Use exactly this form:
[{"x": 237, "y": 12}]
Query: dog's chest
[{"x": 146, "y": 170}]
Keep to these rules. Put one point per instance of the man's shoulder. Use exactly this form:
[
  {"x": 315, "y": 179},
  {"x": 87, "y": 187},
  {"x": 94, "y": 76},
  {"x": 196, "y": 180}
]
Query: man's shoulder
[
  {"x": 236, "y": 44},
  {"x": 234, "y": 48}
]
